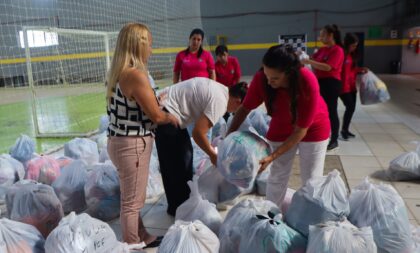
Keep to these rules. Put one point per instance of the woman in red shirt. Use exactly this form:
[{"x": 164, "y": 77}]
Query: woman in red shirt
[
  {"x": 228, "y": 71},
  {"x": 299, "y": 118},
  {"x": 348, "y": 78},
  {"x": 327, "y": 63},
  {"x": 194, "y": 61}
]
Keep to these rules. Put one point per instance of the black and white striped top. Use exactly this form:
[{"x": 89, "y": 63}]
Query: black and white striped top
[{"x": 126, "y": 117}]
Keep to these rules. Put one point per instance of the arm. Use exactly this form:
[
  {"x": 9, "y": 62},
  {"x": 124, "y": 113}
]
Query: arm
[
  {"x": 291, "y": 141},
  {"x": 175, "y": 77},
  {"x": 212, "y": 74},
  {"x": 239, "y": 117},
  {"x": 135, "y": 84},
  {"x": 238, "y": 73},
  {"x": 210, "y": 66},
  {"x": 317, "y": 65},
  {"x": 199, "y": 134}
]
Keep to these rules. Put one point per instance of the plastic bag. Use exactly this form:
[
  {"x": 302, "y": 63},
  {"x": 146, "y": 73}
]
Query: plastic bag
[
  {"x": 199, "y": 156},
  {"x": 340, "y": 236},
  {"x": 17, "y": 237},
  {"x": 9, "y": 174},
  {"x": 320, "y": 200},
  {"x": 43, "y": 169},
  {"x": 405, "y": 166},
  {"x": 102, "y": 140},
  {"x": 154, "y": 182},
  {"x": 102, "y": 192},
  {"x": 103, "y": 124},
  {"x": 303, "y": 56},
  {"x": 372, "y": 90},
  {"x": 380, "y": 207},
  {"x": 196, "y": 208},
  {"x": 83, "y": 149},
  {"x": 83, "y": 234},
  {"x": 12, "y": 190},
  {"x": 239, "y": 155},
  {"x": 215, "y": 188},
  {"x": 189, "y": 237},
  {"x": 270, "y": 234},
  {"x": 259, "y": 121},
  {"x": 23, "y": 149},
  {"x": 239, "y": 220},
  {"x": 37, "y": 205},
  {"x": 219, "y": 129},
  {"x": 69, "y": 187},
  {"x": 261, "y": 182},
  {"x": 63, "y": 161},
  {"x": 103, "y": 155}
]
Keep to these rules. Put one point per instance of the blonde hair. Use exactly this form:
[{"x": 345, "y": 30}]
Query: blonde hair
[{"x": 131, "y": 51}]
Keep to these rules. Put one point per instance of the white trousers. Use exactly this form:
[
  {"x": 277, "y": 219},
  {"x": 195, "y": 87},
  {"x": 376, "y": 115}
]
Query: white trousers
[{"x": 311, "y": 158}]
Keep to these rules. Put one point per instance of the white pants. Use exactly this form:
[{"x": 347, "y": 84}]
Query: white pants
[{"x": 311, "y": 158}]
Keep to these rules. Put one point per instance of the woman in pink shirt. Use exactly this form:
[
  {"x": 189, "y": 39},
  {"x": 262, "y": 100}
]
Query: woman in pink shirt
[
  {"x": 299, "y": 118},
  {"x": 228, "y": 71},
  {"x": 348, "y": 78},
  {"x": 327, "y": 63},
  {"x": 194, "y": 61}
]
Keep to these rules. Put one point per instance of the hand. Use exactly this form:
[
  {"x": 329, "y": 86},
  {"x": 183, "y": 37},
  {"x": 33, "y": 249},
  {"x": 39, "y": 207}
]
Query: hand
[
  {"x": 265, "y": 162},
  {"x": 213, "y": 159},
  {"x": 364, "y": 70},
  {"x": 305, "y": 61},
  {"x": 172, "y": 120}
]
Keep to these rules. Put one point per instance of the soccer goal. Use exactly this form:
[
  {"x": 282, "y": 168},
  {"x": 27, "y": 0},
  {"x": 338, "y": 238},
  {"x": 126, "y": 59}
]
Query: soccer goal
[{"x": 67, "y": 80}]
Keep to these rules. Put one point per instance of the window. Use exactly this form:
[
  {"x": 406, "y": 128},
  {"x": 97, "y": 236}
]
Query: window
[{"x": 39, "y": 38}]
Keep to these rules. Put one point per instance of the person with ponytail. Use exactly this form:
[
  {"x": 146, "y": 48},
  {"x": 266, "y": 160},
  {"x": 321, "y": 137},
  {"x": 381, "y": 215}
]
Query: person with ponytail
[
  {"x": 299, "y": 121},
  {"x": 348, "y": 78},
  {"x": 194, "y": 61},
  {"x": 327, "y": 63},
  {"x": 133, "y": 112}
]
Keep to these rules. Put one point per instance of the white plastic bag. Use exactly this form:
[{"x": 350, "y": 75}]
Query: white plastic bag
[
  {"x": 83, "y": 149},
  {"x": 17, "y": 166},
  {"x": 303, "y": 56},
  {"x": 17, "y": 237},
  {"x": 259, "y": 121},
  {"x": 197, "y": 208},
  {"x": 83, "y": 234},
  {"x": 215, "y": 188},
  {"x": 405, "y": 166},
  {"x": 261, "y": 182},
  {"x": 102, "y": 140},
  {"x": 23, "y": 149},
  {"x": 372, "y": 90},
  {"x": 380, "y": 207},
  {"x": 102, "y": 192},
  {"x": 189, "y": 237},
  {"x": 340, "y": 236},
  {"x": 154, "y": 182},
  {"x": 37, "y": 205},
  {"x": 239, "y": 220},
  {"x": 8, "y": 176},
  {"x": 69, "y": 187},
  {"x": 103, "y": 155},
  {"x": 219, "y": 129},
  {"x": 103, "y": 123},
  {"x": 320, "y": 200},
  {"x": 269, "y": 234},
  {"x": 239, "y": 155},
  {"x": 12, "y": 190}
]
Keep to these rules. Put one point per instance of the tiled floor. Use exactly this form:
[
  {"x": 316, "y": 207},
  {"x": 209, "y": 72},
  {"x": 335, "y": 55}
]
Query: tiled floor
[{"x": 382, "y": 132}]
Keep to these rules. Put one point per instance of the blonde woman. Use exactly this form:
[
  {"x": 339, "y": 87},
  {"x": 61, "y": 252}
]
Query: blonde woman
[{"x": 133, "y": 112}]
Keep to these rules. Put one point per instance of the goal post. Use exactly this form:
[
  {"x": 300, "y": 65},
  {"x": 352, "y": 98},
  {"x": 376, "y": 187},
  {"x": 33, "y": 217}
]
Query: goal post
[{"x": 59, "y": 75}]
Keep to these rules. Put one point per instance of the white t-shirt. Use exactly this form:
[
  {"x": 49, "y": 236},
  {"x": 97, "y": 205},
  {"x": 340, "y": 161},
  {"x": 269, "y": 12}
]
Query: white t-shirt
[{"x": 189, "y": 99}]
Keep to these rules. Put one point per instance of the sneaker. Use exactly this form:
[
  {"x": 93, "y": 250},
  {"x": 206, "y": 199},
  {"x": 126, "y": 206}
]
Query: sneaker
[
  {"x": 344, "y": 136},
  {"x": 350, "y": 134},
  {"x": 332, "y": 145},
  {"x": 155, "y": 243}
]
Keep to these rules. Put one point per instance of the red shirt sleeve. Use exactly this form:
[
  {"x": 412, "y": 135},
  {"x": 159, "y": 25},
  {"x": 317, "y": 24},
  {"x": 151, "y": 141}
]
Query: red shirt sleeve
[
  {"x": 178, "y": 62},
  {"x": 255, "y": 94},
  {"x": 209, "y": 60},
  {"x": 308, "y": 99},
  {"x": 336, "y": 58},
  {"x": 238, "y": 73}
]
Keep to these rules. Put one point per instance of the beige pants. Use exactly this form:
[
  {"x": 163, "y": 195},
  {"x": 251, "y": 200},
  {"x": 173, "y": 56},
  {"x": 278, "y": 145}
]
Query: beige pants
[{"x": 131, "y": 156}]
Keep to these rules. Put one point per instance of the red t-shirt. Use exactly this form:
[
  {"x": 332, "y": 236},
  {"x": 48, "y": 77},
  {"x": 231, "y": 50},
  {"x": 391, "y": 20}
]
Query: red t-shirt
[
  {"x": 230, "y": 73},
  {"x": 312, "y": 111},
  {"x": 333, "y": 56},
  {"x": 190, "y": 66},
  {"x": 348, "y": 75}
]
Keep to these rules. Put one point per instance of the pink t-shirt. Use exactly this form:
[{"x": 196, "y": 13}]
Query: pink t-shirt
[
  {"x": 230, "y": 73},
  {"x": 333, "y": 56},
  {"x": 312, "y": 112},
  {"x": 190, "y": 66},
  {"x": 348, "y": 75}
]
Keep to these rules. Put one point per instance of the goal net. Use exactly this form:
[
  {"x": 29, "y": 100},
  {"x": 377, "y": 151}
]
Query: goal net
[{"x": 54, "y": 56}]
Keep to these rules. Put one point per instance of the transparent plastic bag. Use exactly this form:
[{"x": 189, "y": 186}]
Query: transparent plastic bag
[
  {"x": 23, "y": 149},
  {"x": 8, "y": 175},
  {"x": 197, "y": 208},
  {"x": 44, "y": 169},
  {"x": 372, "y": 90},
  {"x": 320, "y": 200},
  {"x": 189, "y": 237},
  {"x": 83, "y": 149},
  {"x": 259, "y": 121},
  {"x": 380, "y": 207},
  {"x": 17, "y": 237},
  {"x": 405, "y": 166},
  {"x": 154, "y": 182}
]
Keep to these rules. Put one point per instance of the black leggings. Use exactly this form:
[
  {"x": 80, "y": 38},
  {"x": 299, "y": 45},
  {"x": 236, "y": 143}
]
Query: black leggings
[
  {"x": 175, "y": 153},
  {"x": 330, "y": 89},
  {"x": 349, "y": 101}
]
